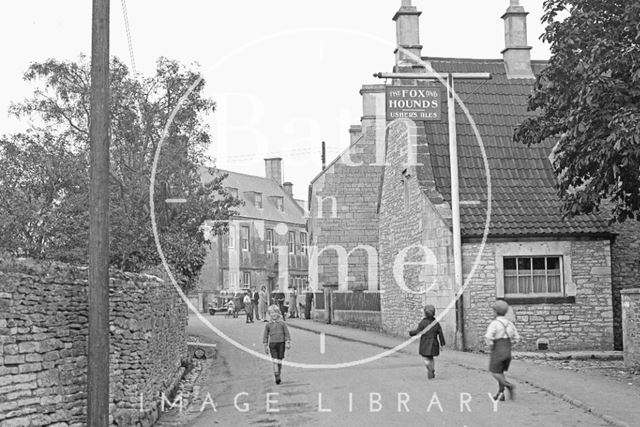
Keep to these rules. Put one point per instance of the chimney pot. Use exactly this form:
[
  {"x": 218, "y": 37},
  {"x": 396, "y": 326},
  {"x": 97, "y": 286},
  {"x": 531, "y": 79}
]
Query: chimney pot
[{"x": 288, "y": 188}]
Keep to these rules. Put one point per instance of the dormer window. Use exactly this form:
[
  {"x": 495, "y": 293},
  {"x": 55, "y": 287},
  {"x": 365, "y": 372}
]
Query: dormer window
[
  {"x": 258, "y": 200},
  {"x": 233, "y": 192},
  {"x": 278, "y": 201}
]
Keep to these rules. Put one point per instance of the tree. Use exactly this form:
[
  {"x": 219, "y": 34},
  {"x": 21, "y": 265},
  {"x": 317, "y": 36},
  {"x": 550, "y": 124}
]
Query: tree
[
  {"x": 44, "y": 171},
  {"x": 43, "y": 198},
  {"x": 588, "y": 97}
]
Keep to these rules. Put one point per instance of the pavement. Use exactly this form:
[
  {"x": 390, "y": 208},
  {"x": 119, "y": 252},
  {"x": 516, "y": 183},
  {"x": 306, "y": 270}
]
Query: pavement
[{"x": 615, "y": 402}]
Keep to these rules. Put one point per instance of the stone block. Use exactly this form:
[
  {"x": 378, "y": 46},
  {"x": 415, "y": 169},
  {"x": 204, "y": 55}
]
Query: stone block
[
  {"x": 601, "y": 271},
  {"x": 18, "y": 394},
  {"x": 33, "y": 357},
  {"x": 29, "y": 347},
  {"x": 10, "y": 360},
  {"x": 11, "y": 349}
]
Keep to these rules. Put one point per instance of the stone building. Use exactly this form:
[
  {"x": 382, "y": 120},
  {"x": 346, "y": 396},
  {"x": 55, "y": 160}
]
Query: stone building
[
  {"x": 556, "y": 273},
  {"x": 267, "y": 240},
  {"x": 343, "y": 208}
]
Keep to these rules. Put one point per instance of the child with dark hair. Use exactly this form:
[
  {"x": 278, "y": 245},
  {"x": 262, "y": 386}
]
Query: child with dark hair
[
  {"x": 501, "y": 333},
  {"x": 431, "y": 340}
]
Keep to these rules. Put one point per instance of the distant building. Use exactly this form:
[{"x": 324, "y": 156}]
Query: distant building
[{"x": 267, "y": 241}]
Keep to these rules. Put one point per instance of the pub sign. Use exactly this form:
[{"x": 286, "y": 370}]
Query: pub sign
[{"x": 413, "y": 102}]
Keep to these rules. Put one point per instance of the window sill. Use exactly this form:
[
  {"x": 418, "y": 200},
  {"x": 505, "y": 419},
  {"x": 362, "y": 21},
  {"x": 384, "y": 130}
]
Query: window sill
[{"x": 540, "y": 300}]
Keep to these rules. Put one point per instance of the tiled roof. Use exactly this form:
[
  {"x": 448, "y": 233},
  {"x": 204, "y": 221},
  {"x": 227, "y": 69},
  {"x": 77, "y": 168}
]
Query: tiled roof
[
  {"x": 524, "y": 200},
  {"x": 292, "y": 212}
]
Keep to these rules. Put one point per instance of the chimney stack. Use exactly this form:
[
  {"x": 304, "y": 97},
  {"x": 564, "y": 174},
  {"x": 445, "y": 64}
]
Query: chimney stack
[
  {"x": 407, "y": 35},
  {"x": 273, "y": 169},
  {"x": 288, "y": 188},
  {"x": 373, "y": 110},
  {"x": 355, "y": 132},
  {"x": 517, "y": 54}
]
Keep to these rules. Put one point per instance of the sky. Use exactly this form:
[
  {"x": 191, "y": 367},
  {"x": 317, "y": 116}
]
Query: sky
[{"x": 285, "y": 74}]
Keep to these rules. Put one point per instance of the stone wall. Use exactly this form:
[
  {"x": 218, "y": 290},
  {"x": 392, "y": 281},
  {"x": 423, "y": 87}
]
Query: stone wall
[
  {"x": 631, "y": 327},
  {"x": 625, "y": 269},
  {"x": 43, "y": 344},
  {"x": 408, "y": 219},
  {"x": 586, "y": 323},
  {"x": 347, "y": 217}
]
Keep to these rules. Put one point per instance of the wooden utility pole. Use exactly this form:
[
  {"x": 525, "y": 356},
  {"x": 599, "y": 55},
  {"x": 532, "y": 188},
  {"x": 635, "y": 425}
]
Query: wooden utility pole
[{"x": 98, "y": 355}]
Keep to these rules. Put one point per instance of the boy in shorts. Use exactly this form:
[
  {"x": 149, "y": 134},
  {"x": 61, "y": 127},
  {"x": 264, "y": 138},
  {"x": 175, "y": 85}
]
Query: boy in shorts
[
  {"x": 500, "y": 335},
  {"x": 276, "y": 338}
]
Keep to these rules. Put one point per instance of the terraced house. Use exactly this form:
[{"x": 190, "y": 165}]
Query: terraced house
[
  {"x": 561, "y": 276},
  {"x": 267, "y": 240}
]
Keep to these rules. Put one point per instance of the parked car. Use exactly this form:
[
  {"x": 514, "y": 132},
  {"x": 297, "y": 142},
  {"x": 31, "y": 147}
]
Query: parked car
[
  {"x": 214, "y": 307},
  {"x": 219, "y": 303}
]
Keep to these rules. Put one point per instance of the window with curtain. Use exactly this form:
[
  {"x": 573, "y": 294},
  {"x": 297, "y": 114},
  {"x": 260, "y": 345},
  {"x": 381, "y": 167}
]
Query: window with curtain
[{"x": 534, "y": 276}]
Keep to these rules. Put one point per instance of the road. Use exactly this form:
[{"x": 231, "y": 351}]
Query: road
[{"x": 389, "y": 391}]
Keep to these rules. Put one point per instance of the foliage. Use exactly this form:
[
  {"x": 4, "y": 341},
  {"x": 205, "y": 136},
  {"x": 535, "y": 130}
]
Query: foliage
[
  {"x": 44, "y": 171},
  {"x": 589, "y": 98}
]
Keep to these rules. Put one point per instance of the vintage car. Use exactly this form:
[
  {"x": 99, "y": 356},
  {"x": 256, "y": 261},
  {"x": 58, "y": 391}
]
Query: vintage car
[
  {"x": 219, "y": 303},
  {"x": 214, "y": 307}
]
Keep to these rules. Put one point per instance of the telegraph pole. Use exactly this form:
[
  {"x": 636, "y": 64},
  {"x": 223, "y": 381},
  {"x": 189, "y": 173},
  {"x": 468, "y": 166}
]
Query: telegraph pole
[{"x": 98, "y": 354}]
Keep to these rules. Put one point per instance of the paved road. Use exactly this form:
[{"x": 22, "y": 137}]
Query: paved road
[{"x": 392, "y": 391}]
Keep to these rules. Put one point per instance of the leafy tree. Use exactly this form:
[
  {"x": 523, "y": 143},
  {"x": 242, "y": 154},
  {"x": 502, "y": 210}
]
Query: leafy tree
[
  {"x": 44, "y": 171},
  {"x": 588, "y": 97},
  {"x": 43, "y": 198}
]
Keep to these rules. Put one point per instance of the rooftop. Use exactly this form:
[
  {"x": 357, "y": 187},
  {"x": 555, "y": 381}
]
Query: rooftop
[
  {"x": 268, "y": 188},
  {"x": 524, "y": 199}
]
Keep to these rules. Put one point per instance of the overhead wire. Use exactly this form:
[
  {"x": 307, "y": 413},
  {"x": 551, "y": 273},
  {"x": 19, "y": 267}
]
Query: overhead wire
[{"x": 128, "y": 32}]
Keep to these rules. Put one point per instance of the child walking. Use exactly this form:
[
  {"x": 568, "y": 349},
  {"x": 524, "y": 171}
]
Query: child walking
[
  {"x": 431, "y": 340},
  {"x": 501, "y": 333},
  {"x": 276, "y": 338}
]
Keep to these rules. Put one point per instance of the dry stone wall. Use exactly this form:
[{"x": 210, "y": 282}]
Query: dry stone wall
[{"x": 43, "y": 345}]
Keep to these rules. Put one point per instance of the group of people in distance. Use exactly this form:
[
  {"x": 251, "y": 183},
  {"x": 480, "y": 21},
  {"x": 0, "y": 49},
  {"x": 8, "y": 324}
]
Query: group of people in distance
[
  {"x": 501, "y": 334},
  {"x": 256, "y": 303}
]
